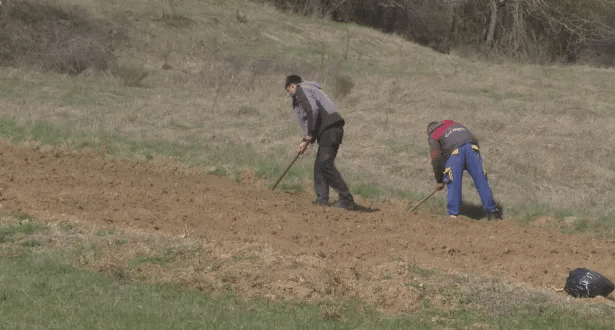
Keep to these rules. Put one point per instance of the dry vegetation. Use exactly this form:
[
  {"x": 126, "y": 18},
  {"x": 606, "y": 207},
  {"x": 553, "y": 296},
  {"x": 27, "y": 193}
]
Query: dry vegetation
[
  {"x": 207, "y": 76},
  {"x": 530, "y": 31},
  {"x": 212, "y": 75},
  {"x": 61, "y": 39},
  {"x": 394, "y": 287}
]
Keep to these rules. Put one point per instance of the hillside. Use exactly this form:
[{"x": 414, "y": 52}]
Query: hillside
[
  {"x": 200, "y": 83},
  {"x": 193, "y": 78}
]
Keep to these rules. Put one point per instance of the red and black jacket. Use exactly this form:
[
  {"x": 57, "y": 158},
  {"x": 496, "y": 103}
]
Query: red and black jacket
[{"x": 443, "y": 139}]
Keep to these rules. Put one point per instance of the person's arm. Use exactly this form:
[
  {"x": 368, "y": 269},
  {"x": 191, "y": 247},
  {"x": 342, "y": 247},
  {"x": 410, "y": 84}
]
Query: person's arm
[
  {"x": 311, "y": 109},
  {"x": 437, "y": 160}
]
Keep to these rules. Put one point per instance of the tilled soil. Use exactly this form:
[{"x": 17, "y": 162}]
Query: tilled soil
[{"x": 305, "y": 251}]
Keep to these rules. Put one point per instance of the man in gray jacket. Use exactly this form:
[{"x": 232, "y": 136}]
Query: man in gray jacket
[{"x": 321, "y": 122}]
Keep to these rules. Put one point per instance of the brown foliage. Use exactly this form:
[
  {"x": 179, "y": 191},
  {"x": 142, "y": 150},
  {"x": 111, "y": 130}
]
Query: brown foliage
[{"x": 61, "y": 39}]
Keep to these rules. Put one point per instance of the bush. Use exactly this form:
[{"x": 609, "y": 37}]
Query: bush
[
  {"x": 60, "y": 39},
  {"x": 132, "y": 73}
]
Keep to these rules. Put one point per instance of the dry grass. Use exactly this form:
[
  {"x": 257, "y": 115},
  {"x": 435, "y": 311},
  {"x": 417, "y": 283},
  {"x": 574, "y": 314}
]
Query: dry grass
[
  {"x": 60, "y": 38},
  {"x": 546, "y": 132},
  {"x": 254, "y": 268}
]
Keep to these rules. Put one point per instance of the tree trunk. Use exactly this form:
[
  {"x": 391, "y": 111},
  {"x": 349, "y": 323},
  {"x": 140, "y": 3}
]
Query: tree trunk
[
  {"x": 492, "y": 23},
  {"x": 315, "y": 8}
]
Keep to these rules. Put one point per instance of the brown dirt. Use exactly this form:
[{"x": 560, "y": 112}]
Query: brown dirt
[{"x": 305, "y": 252}]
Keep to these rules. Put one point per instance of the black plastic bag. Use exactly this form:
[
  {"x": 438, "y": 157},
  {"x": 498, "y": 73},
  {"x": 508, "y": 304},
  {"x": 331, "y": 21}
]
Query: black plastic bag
[{"x": 584, "y": 283}]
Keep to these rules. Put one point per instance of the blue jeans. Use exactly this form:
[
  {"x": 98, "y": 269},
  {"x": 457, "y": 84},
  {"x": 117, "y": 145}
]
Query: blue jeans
[{"x": 469, "y": 160}]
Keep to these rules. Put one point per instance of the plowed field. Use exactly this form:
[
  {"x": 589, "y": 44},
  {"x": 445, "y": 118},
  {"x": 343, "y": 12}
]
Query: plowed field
[{"x": 307, "y": 251}]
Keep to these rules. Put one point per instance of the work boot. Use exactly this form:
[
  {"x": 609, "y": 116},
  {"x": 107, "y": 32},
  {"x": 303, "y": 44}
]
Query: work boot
[
  {"x": 495, "y": 215},
  {"x": 346, "y": 203},
  {"x": 350, "y": 206},
  {"x": 321, "y": 202}
]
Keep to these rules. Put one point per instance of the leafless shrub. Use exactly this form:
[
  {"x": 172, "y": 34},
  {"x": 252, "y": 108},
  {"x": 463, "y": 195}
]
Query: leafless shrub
[
  {"x": 174, "y": 18},
  {"x": 342, "y": 85},
  {"x": 57, "y": 38},
  {"x": 538, "y": 31},
  {"x": 131, "y": 73}
]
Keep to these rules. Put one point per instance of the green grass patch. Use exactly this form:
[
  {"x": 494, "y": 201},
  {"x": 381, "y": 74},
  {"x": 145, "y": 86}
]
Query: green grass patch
[
  {"x": 527, "y": 213},
  {"x": 295, "y": 180},
  {"x": 49, "y": 295},
  {"x": 46, "y": 294},
  {"x": 156, "y": 260},
  {"x": 40, "y": 290},
  {"x": 31, "y": 243},
  {"x": 367, "y": 190},
  {"x": 105, "y": 232},
  {"x": 292, "y": 187},
  {"x": 236, "y": 258},
  {"x": 232, "y": 156},
  {"x": 22, "y": 217},
  {"x": 120, "y": 241},
  {"x": 27, "y": 228},
  {"x": 436, "y": 204},
  {"x": 566, "y": 220}
]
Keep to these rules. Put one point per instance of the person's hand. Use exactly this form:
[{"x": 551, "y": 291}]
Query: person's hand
[
  {"x": 439, "y": 186},
  {"x": 303, "y": 147}
]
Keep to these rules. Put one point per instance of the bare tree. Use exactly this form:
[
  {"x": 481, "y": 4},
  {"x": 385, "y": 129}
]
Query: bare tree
[
  {"x": 535, "y": 30},
  {"x": 543, "y": 30},
  {"x": 493, "y": 20}
]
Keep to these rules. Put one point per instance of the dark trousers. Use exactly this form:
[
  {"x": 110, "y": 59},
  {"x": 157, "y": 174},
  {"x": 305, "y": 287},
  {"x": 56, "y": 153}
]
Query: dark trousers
[{"x": 325, "y": 173}]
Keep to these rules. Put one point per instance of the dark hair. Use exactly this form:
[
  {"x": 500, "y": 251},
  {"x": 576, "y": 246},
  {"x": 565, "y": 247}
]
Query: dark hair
[
  {"x": 292, "y": 79},
  {"x": 432, "y": 126}
]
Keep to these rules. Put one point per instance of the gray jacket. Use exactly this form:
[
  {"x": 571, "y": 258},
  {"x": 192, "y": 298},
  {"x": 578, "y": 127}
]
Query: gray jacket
[{"x": 314, "y": 110}]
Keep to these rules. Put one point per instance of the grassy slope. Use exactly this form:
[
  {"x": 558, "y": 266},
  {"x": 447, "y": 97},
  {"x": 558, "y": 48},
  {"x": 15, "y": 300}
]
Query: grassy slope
[
  {"x": 68, "y": 275},
  {"x": 221, "y": 106},
  {"x": 545, "y": 132}
]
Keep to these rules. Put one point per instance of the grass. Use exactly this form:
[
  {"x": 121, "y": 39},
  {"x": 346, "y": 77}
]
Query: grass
[
  {"x": 221, "y": 107},
  {"x": 8, "y": 233},
  {"x": 367, "y": 191},
  {"x": 49, "y": 295},
  {"x": 76, "y": 277},
  {"x": 545, "y": 134}
]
